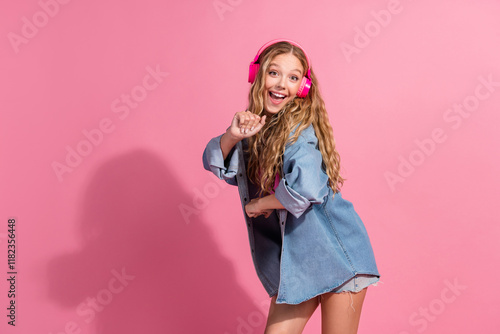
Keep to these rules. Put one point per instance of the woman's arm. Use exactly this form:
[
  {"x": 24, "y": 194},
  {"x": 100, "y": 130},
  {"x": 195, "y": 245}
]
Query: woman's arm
[
  {"x": 270, "y": 202},
  {"x": 263, "y": 206},
  {"x": 227, "y": 142}
]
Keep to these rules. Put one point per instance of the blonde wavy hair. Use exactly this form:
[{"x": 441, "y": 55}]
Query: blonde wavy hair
[{"x": 267, "y": 147}]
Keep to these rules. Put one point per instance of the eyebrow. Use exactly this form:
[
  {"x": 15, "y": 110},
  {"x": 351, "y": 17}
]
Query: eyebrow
[{"x": 296, "y": 69}]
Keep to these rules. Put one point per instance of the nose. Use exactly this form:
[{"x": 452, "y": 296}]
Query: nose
[{"x": 281, "y": 82}]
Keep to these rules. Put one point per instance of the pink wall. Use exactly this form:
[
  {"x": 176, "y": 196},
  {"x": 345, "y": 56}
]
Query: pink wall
[{"x": 413, "y": 92}]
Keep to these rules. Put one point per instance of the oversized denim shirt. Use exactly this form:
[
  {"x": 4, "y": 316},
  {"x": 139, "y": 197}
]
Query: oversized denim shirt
[{"x": 318, "y": 242}]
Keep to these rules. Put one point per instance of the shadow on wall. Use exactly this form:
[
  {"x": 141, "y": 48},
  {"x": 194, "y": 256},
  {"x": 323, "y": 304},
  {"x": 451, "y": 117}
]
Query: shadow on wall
[{"x": 141, "y": 269}]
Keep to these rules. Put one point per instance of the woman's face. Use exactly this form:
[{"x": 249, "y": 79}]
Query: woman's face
[{"x": 283, "y": 79}]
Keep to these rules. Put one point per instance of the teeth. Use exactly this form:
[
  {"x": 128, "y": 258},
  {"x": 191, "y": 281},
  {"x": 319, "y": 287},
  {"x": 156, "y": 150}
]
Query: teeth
[{"x": 278, "y": 95}]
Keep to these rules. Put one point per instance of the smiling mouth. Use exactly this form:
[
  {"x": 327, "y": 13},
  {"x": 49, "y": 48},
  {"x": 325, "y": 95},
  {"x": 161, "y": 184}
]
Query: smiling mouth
[{"x": 276, "y": 98}]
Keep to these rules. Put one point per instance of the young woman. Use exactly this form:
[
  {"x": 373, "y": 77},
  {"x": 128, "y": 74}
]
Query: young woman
[{"x": 308, "y": 244}]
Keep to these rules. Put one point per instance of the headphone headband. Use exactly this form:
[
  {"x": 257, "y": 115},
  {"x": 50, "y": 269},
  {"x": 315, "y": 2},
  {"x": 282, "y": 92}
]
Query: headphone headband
[{"x": 274, "y": 41}]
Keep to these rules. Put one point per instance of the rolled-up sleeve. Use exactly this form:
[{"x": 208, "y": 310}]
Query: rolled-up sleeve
[
  {"x": 214, "y": 161},
  {"x": 304, "y": 182}
]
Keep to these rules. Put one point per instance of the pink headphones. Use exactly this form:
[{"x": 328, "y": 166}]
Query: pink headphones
[{"x": 305, "y": 84}]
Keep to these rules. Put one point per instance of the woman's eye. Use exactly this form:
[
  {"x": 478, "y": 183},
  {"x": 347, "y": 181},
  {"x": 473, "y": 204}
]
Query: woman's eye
[
  {"x": 294, "y": 78},
  {"x": 273, "y": 73}
]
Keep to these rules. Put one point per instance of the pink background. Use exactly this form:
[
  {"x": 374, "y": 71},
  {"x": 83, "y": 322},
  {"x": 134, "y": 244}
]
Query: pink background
[{"x": 139, "y": 205}]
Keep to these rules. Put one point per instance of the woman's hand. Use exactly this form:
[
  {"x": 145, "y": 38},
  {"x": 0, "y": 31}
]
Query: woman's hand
[
  {"x": 253, "y": 209},
  {"x": 245, "y": 124}
]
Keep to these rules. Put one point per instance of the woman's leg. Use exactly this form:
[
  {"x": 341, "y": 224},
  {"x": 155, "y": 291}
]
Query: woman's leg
[
  {"x": 290, "y": 319},
  {"x": 340, "y": 312}
]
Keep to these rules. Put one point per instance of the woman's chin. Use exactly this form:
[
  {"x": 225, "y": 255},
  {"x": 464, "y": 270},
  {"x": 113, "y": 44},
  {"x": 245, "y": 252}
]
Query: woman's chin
[
  {"x": 272, "y": 108},
  {"x": 271, "y": 112}
]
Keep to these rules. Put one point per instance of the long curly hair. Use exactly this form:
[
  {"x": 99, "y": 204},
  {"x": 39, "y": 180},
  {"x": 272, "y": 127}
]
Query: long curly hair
[{"x": 267, "y": 147}]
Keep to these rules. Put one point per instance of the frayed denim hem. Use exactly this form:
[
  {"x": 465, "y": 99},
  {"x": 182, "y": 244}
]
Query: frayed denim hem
[{"x": 355, "y": 284}]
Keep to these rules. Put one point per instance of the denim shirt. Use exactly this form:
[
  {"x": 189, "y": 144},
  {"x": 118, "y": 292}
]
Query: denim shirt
[{"x": 318, "y": 242}]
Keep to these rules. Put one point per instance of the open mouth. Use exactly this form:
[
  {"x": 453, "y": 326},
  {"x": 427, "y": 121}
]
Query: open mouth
[{"x": 276, "y": 98}]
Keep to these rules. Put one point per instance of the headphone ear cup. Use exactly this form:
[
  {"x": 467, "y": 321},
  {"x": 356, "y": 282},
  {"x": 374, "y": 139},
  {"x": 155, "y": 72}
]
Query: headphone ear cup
[
  {"x": 304, "y": 87},
  {"x": 252, "y": 73}
]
